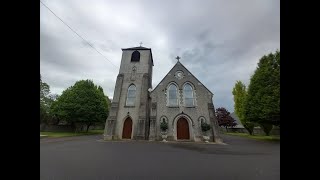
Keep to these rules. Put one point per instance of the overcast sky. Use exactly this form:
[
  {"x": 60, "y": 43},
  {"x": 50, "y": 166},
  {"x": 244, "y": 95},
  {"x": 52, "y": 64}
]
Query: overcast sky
[{"x": 218, "y": 41}]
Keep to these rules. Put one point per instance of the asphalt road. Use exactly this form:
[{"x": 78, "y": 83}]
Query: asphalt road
[{"x": 88, "y": 157}]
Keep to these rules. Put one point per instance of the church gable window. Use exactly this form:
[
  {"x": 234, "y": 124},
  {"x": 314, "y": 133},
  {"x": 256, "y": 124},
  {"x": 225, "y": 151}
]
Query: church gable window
[
  {"x": 172, "y": 95},
  {"x": 188, "y": 95},
  {"x": 135, "y": 57},
  {"x": 131, "y": 96}
]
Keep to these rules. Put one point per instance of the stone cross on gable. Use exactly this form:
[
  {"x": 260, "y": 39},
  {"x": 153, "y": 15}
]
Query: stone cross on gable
[
  {"x": 178, "y": 58},
  {"x": 140, "y": 44}
]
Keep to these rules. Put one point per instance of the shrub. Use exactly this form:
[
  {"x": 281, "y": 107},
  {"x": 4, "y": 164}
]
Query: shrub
[
  {"x": 205, "y": 127},
  {"x": 164, "y": 126}
]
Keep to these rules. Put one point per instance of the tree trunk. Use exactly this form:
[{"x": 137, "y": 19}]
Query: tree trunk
[
  {"x": 75, "y": 127},
  {"x": 226, "y": 128},
  {"x": 88, "y": 126}
]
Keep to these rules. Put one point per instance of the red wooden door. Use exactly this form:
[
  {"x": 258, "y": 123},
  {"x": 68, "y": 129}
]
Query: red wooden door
[
  {"x": 127, "y": 129},
  {"x": 182, "y": 129}
]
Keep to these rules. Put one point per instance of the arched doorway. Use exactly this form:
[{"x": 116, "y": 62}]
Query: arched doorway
[
  {"x": 127, "y": 129},
  {"x": 183, "y": 129}
]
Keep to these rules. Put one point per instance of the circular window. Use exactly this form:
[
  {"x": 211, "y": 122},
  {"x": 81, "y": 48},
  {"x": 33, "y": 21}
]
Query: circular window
[{"x": 179, "y": 74}]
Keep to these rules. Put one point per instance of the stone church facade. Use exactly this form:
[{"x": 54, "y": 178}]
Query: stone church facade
[{"x": 180, "y": 99}]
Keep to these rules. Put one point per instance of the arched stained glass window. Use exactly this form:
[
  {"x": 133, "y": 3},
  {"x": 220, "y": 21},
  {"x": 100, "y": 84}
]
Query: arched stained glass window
[
  {"x": 131, "y": 96},
  {"x": 173, "y": 95},
  {"x": 188, "y": 95}
]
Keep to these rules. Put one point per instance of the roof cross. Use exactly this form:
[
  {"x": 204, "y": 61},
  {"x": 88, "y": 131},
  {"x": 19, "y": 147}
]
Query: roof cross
[{"x": 178, "y": 58}]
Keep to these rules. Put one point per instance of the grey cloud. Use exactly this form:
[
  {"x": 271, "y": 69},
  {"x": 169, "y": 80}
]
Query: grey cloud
[{"x": 219, "y": 41}]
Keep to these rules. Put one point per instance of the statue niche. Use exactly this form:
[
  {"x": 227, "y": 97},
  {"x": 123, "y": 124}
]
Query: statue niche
[{"x": 133, "y": 73}]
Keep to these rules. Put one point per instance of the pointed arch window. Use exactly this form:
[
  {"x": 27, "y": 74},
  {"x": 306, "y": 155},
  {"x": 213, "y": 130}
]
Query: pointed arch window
[
  {"x": 131, "y": 95},
  {"x": 188, "y": 95},
  {"x": 172, "y": 95},
  {"x": 135, "y": 57}
]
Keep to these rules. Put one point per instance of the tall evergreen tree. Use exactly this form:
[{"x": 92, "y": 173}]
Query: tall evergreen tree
[{"x": 239, "y": 96}]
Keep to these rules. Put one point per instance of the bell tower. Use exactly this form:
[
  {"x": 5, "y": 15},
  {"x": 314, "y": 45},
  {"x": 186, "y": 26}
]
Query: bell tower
[{"x": 130, "y": 107}]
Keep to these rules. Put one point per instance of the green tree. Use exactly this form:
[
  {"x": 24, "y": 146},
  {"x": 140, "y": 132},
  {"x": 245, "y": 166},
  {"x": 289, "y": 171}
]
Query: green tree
[
  {"x": 44, "y": 101},
  {"x": 239, "y": 97},
  {"x": 266, "y": 127},
  {"x": 83, "y": 103},
  {"x": 262, "y": 104},
  {"x": 249, "y": 127},
  {"x": 44, "y": 90}
]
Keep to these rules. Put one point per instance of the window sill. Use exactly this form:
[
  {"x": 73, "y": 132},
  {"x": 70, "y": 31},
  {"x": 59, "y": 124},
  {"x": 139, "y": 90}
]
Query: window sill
[
  {"x": 190, "y": 106},
  {"x": 129, "y": 106},
  {"x": 173, "y": 106}
]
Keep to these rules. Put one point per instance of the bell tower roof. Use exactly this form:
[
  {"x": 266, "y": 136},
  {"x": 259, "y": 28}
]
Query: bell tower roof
[
  {"x": 139, "y": 48},
  {"x": 136, "y": 48}
]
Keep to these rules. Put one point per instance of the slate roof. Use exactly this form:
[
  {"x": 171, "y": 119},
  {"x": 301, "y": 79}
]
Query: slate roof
[{"x": 137, "y": 48}]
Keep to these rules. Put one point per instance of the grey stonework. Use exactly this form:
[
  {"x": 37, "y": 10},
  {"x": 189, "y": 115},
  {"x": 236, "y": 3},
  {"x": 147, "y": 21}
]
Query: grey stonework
[
  {"x": 139, "y": 112},
  {"x": 151, "y": 107},
  {"x": 203, "y": 107}
]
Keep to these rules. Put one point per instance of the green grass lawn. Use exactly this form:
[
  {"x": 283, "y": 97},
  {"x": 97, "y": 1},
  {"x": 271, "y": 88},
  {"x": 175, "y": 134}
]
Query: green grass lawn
[
  {"x": 258, "y": 137},
  {"x": 69, "y": 134}
]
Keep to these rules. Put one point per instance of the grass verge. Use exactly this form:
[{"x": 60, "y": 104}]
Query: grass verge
[
  {"x": 257, "y": 137},
  {"x": 69, "y": 134}
]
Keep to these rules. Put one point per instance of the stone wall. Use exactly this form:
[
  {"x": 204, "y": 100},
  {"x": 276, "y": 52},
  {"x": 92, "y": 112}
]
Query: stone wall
[{"x": 203, "y": 104}]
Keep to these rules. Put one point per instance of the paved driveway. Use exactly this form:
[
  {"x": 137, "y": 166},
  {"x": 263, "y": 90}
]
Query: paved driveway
[{"x": 88, "y": 157}]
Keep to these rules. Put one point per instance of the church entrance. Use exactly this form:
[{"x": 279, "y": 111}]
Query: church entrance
[
  {"x": 127, "y": 129},
  {"x": 182, "y": 129}
]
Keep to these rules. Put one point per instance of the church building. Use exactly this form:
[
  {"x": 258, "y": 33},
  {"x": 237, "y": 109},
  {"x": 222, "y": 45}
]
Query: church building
[{"x": 180, "y": 99}]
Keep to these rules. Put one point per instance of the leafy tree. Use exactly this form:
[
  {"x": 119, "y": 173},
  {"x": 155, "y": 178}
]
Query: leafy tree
[
  {"x": 83, "y": 103},
  {"x": 44, "y": 90},
  {"x": 108, "y": 102},
  {"x": 262, "y": 104},
  {"x": 239, "y": 97},
  {"x": 44, "y": 101},
  {"x": 266, "y": 127},
  {"x": 249, "y": 127},
  {"x": 43, "y": 114},
  {"x": 224, "y": 118}
]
